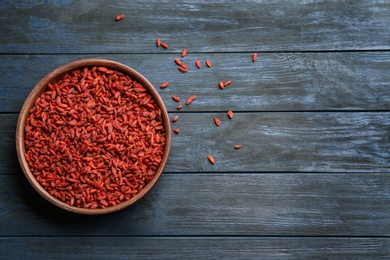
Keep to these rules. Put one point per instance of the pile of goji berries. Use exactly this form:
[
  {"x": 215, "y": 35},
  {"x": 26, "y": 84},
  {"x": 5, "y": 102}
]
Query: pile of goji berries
[{"x": 95, "y": 138}]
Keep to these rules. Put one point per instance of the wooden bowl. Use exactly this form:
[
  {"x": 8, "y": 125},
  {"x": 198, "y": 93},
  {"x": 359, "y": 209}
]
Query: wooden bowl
[{"x": 55, "y": 76}]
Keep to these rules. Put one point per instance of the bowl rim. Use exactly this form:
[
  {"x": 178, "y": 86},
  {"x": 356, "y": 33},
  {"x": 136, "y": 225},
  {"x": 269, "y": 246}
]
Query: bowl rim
[{"x": 53, "y": 77}]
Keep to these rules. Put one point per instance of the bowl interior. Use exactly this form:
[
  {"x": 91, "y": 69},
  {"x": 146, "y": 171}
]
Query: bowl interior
[{"x": 55, "y": 76}]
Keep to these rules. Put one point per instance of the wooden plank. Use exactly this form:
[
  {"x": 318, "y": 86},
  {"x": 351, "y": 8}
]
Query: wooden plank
[
  {"x": 276, "y": 142},
  {"x": 193, "y": 248},
  {"x": 309, "y": 142},
  {"x": 276, "y": 82},
  {"x": 200, "y": 26},
  {"x": 212, "y": 204}
]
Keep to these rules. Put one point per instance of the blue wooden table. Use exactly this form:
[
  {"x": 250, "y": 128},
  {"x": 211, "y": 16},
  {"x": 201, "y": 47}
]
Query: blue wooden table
[{"x": 312, "y": 116}]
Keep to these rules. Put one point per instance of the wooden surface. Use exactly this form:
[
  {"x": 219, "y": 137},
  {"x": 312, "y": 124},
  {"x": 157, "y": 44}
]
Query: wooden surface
[{"x": 312, "y": 179}]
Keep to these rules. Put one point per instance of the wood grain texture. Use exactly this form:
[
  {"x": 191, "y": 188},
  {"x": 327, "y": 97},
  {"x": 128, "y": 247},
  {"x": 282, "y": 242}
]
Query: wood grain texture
[
  {"x": 276, "y": 142},
  {"x": 310, "y": 142},
  {"x": 276, "y": 82},
  {"x": 200, "y": 26},
  {"x": 194, "y": 248},
  {"x": 312, "y": 179},
  {"x": 234, "y": 204},
  {"x": 8, "y": 159}
]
